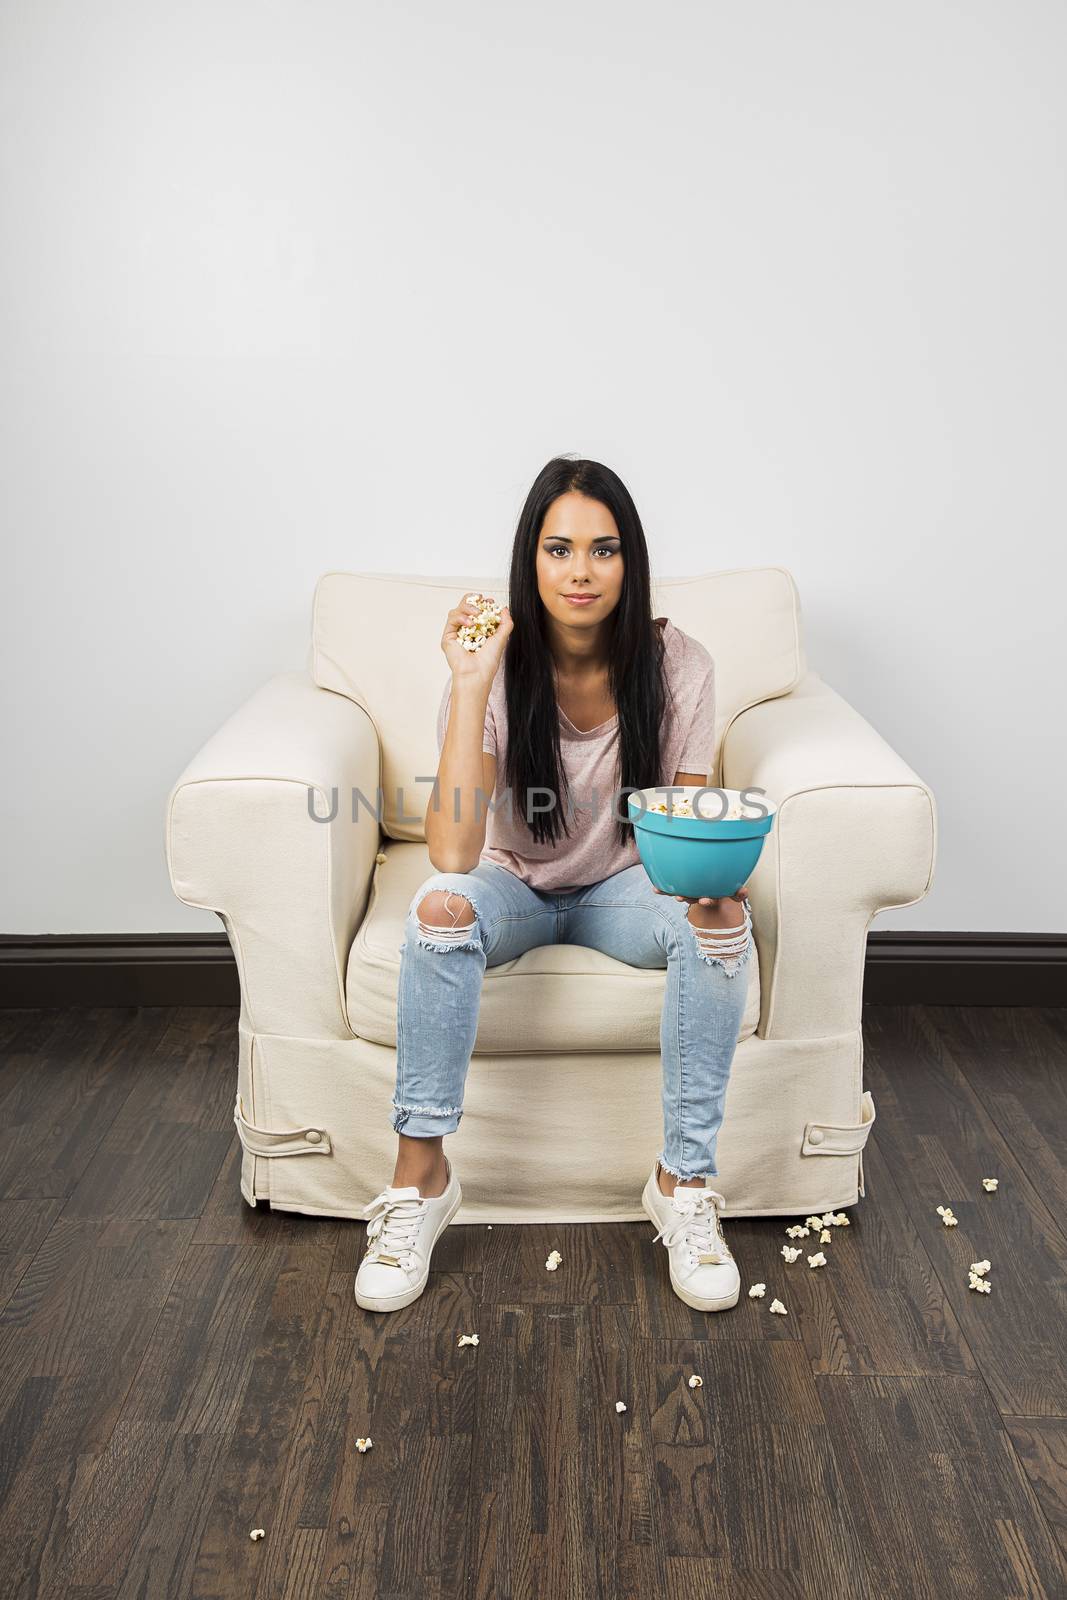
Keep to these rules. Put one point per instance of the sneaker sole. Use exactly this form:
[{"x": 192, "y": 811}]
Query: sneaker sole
[
  {"x": 698, "y": 1302},
  {"x": 395, "y": 1302}
]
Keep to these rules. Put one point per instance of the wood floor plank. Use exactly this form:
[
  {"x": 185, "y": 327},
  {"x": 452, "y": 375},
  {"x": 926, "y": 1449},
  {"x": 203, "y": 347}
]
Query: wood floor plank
[
  {"x": 388, "y": 1388},
  {"x": 597, "y": 1265},
  {"x": 212, "y": 1374},
  {"x": 162, "y": 1558},
  {"x": 72, "y": 1338},
  {"x": 940, "y": 1142},
  {"x": 13, "y": 1020},
  {"x": 249, "y": 1487},
  {"x": 1015, "y": 1061},
  {"x": 25, "y": 1036},
  {"x": 939, "y": 1498},
  {"x": 881, "y": 1307},
  {"x": 59, "y": 1101},
  {"x": 92, "y": 1288},
  {"x": 740, "y": 1461},
  {"x": 24, "y": 1226},
  {"x": 109, "y": 1514},
  {"x": 162, "y": 1152},
  {"x": 199, "y": 1360},
  {"x": 109, "y": 1502},
  {"x": 527, "y": 1487},
  {"x": 1040, "y": 1445}
]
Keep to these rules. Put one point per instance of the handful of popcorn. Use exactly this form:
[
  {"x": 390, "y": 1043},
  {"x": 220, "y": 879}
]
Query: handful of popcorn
[{"x": 472, "y": 635}]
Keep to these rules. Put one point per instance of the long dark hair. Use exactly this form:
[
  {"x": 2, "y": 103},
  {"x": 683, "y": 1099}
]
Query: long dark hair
[{"x": 636, "y": 677}]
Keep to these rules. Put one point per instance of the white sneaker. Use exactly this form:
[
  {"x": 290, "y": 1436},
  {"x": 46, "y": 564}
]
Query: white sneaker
[
  {"x": 702, "y": 1269},
  {"x": 402, "y": 1228}
]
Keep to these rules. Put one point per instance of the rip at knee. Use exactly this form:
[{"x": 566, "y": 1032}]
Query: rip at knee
[
  {"x": 444, "y": 919},
  {"x": 728, "y": 948}
]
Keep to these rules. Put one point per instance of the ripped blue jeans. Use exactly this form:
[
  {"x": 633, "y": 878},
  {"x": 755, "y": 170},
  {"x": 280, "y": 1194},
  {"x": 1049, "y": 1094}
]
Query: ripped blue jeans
[{"x": 442, "y": 965}]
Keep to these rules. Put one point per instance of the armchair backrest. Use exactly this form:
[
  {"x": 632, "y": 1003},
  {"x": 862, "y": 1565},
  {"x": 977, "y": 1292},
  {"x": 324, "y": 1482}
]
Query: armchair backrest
[{"x": 376, "y": 637}]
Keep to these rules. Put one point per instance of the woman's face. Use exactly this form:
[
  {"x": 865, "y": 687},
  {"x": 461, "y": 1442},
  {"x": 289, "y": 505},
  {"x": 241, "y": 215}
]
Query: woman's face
[{"x": 579, "y": 552}]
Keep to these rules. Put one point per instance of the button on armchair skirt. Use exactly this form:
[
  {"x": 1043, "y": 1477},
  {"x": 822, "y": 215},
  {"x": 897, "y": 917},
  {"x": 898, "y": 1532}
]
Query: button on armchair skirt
[{"x": 562, "y": 1108}]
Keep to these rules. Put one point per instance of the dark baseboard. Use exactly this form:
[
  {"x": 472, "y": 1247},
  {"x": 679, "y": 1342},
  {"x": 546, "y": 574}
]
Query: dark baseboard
[
  {"x": 966, "y": 969},
  {"x": 198, "y": 969},
  {"x": 118, "y": 969}
]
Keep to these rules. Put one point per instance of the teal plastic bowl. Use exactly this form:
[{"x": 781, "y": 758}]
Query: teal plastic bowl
[{"x": 700, "y": 855}]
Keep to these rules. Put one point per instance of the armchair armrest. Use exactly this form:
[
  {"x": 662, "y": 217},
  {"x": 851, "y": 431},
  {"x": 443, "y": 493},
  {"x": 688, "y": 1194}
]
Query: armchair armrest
[
  {"x": 855, "y": 834},
  {"x": 240, "y": 841}
]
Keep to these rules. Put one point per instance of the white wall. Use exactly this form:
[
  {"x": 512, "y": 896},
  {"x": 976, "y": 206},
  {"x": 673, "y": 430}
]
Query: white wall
[{"x": 291, "y": 287}]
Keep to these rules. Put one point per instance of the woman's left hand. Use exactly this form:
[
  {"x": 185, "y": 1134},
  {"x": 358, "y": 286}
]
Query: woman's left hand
[{"x": 709, "y": 900}]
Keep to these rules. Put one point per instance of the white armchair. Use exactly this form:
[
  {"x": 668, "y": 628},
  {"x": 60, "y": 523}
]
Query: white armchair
[{"x": 562, "y": 1099}]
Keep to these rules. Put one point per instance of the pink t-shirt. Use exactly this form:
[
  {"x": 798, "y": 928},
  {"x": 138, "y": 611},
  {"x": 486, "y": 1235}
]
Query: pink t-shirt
[{"x": 592, "y": 851}]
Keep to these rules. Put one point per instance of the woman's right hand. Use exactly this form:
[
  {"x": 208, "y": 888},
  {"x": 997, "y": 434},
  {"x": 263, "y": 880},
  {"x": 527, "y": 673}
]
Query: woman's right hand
[{"x": 481, "y": 664}]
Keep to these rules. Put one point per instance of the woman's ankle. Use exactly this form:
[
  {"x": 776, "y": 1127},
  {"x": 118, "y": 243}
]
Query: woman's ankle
[
  {"x": 666, "y": 1182},
  {"x": 429, "y": 1175}
]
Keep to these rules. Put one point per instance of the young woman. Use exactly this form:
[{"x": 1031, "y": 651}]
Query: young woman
[{"x": 597, "y": 698}]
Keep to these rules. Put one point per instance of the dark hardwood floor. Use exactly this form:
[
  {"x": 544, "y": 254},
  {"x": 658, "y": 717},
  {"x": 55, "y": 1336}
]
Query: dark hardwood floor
[{"x": 177, "y": 1369}]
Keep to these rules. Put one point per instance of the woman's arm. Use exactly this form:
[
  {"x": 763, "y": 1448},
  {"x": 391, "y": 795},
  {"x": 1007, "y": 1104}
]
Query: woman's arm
[
  {"x": 457, "y": 812},
  {"x": 455, "y": 825}
]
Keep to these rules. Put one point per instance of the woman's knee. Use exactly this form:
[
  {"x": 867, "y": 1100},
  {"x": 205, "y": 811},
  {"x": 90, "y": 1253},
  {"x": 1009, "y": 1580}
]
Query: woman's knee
[
  {"x": 445, "y": 908},
  {"x": 728, "y": 947},
  {"x": 445, "y": 912}
]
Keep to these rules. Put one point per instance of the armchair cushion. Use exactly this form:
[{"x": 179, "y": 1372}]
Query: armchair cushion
[{"x": 563, "y": 999}]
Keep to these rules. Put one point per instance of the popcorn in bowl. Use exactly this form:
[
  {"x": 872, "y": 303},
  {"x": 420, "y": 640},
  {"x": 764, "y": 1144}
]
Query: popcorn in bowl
[
  {"x": 683, "y": 807},
  {"x": 472, "y": 635}
]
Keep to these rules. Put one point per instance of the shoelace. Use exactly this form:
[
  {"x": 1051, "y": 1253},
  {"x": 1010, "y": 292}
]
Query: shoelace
[
  {"x": 698, "y": 1226},
  {"x": 391, "y": 1225}
]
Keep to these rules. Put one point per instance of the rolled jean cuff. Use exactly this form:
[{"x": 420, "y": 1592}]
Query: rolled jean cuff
[
  {"x": 709, "y": 1171},
  {"x": 425, "y": 1122}
]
